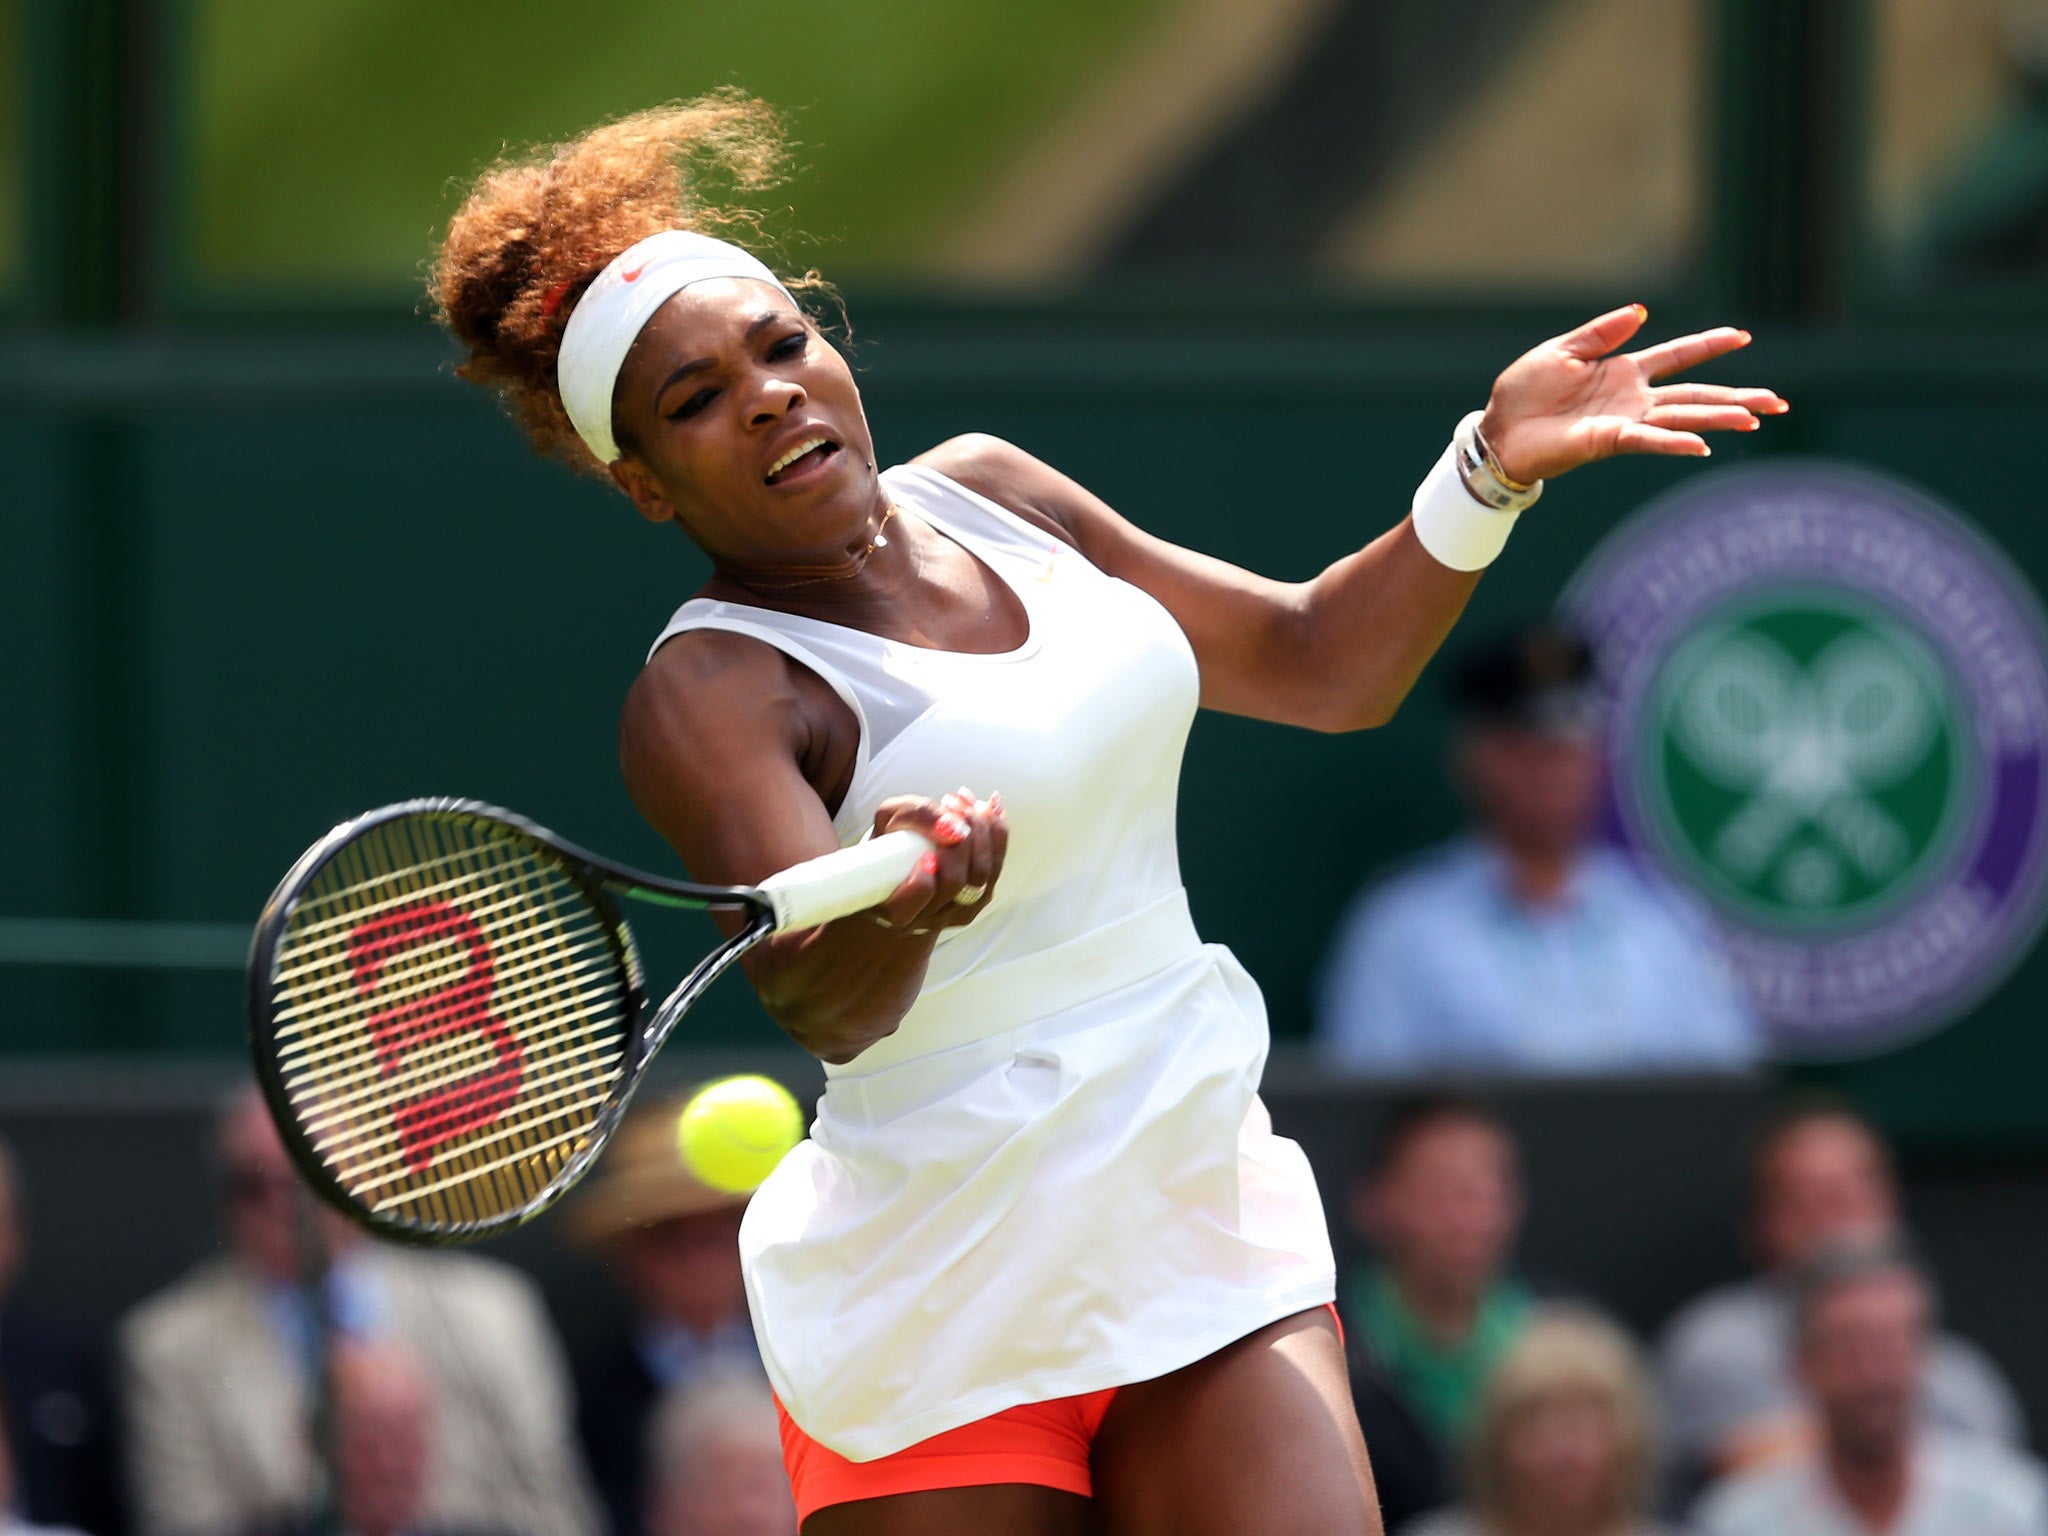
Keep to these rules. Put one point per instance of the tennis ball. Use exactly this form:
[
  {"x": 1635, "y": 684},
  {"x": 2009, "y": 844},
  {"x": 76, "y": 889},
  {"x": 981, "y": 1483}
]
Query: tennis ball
[{"x": 735, "y": 1130}]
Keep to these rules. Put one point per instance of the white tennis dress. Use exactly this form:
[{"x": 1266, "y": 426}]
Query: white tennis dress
[{"x": 1056, "y": 1175}]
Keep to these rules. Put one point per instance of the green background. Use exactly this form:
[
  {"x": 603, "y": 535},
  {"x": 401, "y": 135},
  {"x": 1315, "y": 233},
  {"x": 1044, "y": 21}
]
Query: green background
[
  {"x": 331, "y": 140},
  {"x": 264, "y": 563}
]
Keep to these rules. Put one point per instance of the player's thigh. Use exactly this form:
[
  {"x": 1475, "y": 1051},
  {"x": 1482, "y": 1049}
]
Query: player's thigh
[
  {"x": 1257, "y": 1440},
  {"x": 998, "y": 1509}
]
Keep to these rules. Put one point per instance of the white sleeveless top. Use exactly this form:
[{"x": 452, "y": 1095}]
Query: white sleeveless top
[{"x": 1056, "y": 1175}]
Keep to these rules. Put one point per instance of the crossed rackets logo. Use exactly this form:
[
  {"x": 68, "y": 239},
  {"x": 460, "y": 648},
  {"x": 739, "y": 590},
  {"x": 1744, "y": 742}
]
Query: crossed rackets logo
[{"x": 1806, "y": 767}]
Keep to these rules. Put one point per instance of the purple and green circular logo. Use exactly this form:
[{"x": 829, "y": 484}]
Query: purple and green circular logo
[{"x": 1828, "y": 715}]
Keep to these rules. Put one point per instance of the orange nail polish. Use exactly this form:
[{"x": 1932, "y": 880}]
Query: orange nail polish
[
  {"x": 928, "y": 865},
  {"x": 952, "y": 828}
]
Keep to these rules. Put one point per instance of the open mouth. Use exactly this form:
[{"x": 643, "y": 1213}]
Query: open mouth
[{"x": 806, "y": 459}]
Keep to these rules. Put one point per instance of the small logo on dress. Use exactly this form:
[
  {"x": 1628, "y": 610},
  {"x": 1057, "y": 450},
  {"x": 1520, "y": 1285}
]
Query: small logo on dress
[{"x": 1828, "y": 714}]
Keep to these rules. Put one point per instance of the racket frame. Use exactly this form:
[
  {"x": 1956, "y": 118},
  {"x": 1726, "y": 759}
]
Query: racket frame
[{"x": 599, "y": 879}]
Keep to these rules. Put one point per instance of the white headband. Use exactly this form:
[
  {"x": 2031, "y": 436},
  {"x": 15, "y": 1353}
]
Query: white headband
[{"x": 615, "y": 308}]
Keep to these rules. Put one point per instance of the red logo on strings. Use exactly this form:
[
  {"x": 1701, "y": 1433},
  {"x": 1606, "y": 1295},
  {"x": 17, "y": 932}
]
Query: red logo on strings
[{"x": 416, "y": 1023}]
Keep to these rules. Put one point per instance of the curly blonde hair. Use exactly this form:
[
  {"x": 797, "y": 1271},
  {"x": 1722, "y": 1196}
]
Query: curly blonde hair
[
  {"x": 1566, "y": 1351},
  {"x": 540, "y": 224}
]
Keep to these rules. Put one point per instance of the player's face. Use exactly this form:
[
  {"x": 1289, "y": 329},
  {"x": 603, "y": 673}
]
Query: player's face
[
  {"x": 1825, "y": 1182},
  {"x": 1861, "y": 1356},
  {"x": 719, "y": 389}
]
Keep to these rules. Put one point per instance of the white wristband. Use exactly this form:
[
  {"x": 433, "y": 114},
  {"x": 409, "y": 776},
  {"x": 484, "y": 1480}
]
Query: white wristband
[{"x": 1457, "y": 528}]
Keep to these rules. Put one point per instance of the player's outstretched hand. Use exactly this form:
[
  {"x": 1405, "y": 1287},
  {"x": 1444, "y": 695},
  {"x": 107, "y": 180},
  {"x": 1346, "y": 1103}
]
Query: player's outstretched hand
[
  {"x": 1575, "y": 398},
  {"x": 956, "y": 881}
]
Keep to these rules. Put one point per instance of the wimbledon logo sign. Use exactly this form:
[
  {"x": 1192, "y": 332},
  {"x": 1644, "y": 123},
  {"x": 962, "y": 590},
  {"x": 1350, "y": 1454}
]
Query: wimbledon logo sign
[{"x": 1828, "y": 715}]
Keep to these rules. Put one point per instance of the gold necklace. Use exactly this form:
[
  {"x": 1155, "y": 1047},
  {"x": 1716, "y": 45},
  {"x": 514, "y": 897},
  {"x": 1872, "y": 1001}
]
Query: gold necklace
[{"x": 844, "y": 570}]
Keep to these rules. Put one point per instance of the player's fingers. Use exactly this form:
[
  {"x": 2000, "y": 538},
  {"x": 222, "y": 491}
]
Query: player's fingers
[
  {"x": 1638, "y": 437},
  {"x": 982, "y": 866},
  {"x": 1683, "y": 352},
  {"x": 1701, "y": 418},
  {"x": 904, "y": 910},
  {"x": 931, "y": 819},
  {"x": 914, "y": 813},
  {"x": 1762, "y": 402},
  {"x": 1601, "y": 335},
  {"x": 953, "y": 875},
  {"x": 999, "y": 828}
]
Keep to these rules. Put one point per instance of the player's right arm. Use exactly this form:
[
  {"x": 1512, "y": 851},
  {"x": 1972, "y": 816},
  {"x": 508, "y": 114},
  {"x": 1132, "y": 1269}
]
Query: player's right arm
[{"x": 715, "y": 741}]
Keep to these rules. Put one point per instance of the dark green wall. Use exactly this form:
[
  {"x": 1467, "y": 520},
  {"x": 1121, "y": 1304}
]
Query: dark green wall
[{"x": 249, "y": 587}]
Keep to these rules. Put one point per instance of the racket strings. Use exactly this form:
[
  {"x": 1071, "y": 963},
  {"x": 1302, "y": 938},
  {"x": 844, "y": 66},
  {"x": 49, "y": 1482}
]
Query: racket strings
[
  {"x": 451, "y": 1015},
  {"x": 322, "y": 937}
]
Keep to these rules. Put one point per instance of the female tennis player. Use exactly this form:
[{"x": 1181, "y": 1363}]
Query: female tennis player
[{"x": 1043, "y": 1266}]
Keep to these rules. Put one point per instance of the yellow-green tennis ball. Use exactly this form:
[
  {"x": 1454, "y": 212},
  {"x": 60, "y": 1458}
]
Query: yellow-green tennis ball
[{"x": 734, "y": 1131}]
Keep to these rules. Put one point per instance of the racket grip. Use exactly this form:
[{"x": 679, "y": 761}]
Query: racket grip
[{"x": 836, "y": 884}]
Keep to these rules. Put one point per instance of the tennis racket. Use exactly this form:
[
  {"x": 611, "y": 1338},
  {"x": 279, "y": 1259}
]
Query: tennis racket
[{"x": 445, "y": 1005}]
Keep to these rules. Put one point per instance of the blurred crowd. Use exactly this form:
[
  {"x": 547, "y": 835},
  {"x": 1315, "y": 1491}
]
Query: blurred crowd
[
  {"x": 310, "y": 1380},
  {"x": 313, "y": 1381},
  {"x": 1817, "y": 1397}
]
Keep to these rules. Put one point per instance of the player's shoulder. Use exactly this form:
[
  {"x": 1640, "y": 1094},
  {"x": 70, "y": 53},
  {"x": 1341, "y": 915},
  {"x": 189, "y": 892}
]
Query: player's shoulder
[
  {"x": 703, "y": 686},
  {"x": 1014, "y": 478},
  {"x": 981, "y": 461},
  {"x": 703, "y": 663}
]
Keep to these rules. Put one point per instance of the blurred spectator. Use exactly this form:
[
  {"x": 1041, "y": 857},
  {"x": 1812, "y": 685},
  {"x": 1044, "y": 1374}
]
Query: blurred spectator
[
  {"x": 1528, "y": 946},
  {"x": 1407, "y": 1464},
  {"x": 11, "y": 1521},
  {"x": 1563, "y": 1441},
  {"x": 1440, "y": 1201},
  {"x": 673, "y": 1246},
  {"x": 383, "y": 1437},
  {"x": 1818, "y": 1176},
  {"x": 53, "y": 1393},
  {"x": 1861, "y": 1318},
  {"x": 220, "y": 1370},
  {"x": 716, "y": 1450}
]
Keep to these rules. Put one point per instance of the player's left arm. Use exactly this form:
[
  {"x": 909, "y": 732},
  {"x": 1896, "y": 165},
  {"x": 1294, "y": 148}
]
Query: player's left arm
[{"x": 1340, "y": 651}]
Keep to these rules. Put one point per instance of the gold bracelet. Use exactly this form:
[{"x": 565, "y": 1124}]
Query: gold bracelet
[
  {"x": 1519, "y": 487},
  {"x": 1476, "y": 468}
]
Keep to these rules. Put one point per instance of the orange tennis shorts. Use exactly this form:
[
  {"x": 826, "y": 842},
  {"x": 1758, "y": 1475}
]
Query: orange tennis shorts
[{"x": 1042, "y": 1443}]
